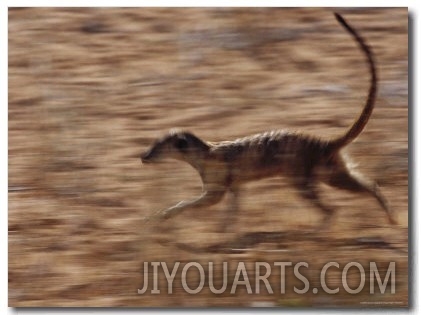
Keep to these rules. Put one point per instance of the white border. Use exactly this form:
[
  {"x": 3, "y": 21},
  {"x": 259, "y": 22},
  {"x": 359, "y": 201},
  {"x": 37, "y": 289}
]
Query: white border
[
  {"x": 208, "y": 3},
  {"x": 413, "y": 8}
]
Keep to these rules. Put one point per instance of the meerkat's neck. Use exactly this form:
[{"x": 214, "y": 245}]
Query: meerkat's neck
[{"x": 198, "y": 151}]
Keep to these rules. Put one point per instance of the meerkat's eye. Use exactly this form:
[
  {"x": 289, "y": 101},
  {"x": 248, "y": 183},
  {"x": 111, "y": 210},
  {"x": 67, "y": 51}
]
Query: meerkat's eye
[{"x": 181, "y": 144}]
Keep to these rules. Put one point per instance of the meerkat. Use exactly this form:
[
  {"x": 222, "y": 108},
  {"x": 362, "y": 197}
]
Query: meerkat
[{"x": 305, "y": 159}]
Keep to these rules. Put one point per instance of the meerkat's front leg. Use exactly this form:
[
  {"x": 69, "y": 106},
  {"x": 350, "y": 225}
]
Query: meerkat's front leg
[
  {"x": 231, "y": 212},
  {"x": 208, "y": 198}
]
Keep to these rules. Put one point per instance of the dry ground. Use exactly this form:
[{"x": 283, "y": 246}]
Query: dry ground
[{"x": 89, "y": 89}]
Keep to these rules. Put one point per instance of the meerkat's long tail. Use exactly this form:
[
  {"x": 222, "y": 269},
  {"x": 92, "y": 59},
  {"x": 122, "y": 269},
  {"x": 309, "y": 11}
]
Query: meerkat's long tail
[{"x": 362, "y": 120}]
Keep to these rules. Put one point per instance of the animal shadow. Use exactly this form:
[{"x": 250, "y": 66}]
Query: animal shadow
[{"x": 284, "y": 241}]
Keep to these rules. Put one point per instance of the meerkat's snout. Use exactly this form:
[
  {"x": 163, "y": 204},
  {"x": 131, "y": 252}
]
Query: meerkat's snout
[
  {"x": 160, "y": 150},
  {"x": 149, "y": 156},
  {"x": 173, "y": 145},
  {"x": 145, "y": 157}
]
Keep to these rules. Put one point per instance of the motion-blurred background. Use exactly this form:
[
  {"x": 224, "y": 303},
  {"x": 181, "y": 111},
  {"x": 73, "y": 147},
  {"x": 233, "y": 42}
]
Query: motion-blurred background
[{"x": 91, "y": 88}]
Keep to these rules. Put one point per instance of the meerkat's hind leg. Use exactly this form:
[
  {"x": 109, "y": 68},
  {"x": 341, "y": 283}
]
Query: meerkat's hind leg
[
  {"x": 309, "y": 191},
  {"x": 353, "y": 181}
]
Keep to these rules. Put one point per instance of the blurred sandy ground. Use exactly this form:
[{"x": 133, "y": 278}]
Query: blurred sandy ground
[{"x": 89, "y": 89}]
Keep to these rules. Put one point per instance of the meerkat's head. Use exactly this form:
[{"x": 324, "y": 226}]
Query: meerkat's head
[{"x": 177, "y": 144}]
